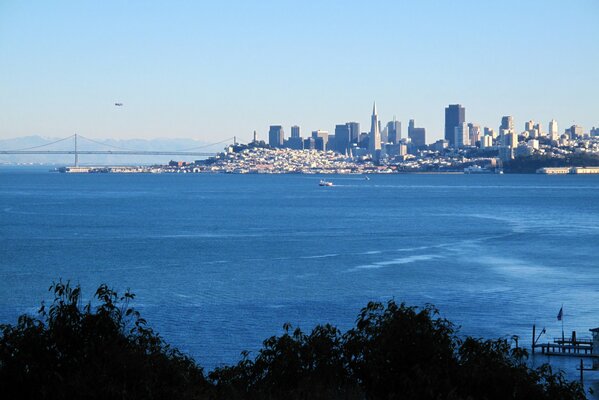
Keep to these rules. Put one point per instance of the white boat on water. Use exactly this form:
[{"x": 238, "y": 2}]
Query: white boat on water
[{"x": 325, "y": 183}]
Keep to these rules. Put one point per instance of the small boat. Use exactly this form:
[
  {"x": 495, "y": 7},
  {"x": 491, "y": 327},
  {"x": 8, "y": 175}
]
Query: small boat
[
  {"x": 325, "y": 183},
  {"x": 366, "y": 178}
]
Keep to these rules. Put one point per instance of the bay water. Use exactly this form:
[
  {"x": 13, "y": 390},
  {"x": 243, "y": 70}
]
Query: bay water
[{"x": 219, "y": 262}]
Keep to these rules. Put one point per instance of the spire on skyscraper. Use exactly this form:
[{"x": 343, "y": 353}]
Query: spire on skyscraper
[{"x": 375, "y": 134}]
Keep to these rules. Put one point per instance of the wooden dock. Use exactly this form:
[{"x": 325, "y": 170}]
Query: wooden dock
[{"x": 569, "y": 347}]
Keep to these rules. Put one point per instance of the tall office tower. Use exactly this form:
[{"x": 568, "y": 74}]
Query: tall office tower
[
  {"x": 512, "y": 140},
  {"x": 539, "y": 128},
  {"x": 576, "y": 131},
  {"x": 490, "y": 132},
  {"x": 553, "y": 130},
  {"x": 461, "y": 135},
  {"x": 321, "y": 139},
  {"x": 354, "y": 131},
  {"x": 295, "y": 131},
  {"x": 529, "y": 126},
  {"x": 342, "y": 138},
  {"x": 374, "y": 140},
  {"x": 507, "y": 123},
  {"x": 417, "y": 135},
  {"x": 486, "y": 142},
  {"x": 455, "y": 115},
  {"x": 474, "y": 133},
  {"x": 394, "y": 131},
  {"x": 276, "y": 136},
  {"x": 295, "y": 142}
]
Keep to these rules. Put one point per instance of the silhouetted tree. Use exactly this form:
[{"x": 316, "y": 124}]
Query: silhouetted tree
[
  {"x": 107, "y": 351},
  {"x": 102, "y": 352}
]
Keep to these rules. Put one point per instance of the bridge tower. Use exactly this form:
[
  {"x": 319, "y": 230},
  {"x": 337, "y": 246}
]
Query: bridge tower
[{"x": 76, "y": 153}]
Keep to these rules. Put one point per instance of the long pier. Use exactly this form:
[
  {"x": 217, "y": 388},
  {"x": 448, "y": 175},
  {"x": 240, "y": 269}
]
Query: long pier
[{"x": 570, "y": 347}]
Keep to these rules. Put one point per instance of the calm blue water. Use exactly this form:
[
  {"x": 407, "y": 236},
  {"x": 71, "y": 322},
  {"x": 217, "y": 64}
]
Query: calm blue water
[{"x": 220, "y": 262}]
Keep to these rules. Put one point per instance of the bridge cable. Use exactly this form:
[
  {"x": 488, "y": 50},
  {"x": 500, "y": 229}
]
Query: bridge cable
[
  {"x": 43, "y": 145},
  {"x": 108, "y": 145},
  {"x": 207, "y": 145}
]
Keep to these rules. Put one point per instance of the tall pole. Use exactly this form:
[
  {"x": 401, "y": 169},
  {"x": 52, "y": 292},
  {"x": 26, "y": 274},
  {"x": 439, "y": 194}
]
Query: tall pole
[
  {"x": 76, "y": 154},
  {"x": 534, "y": 328},
  {"x": 563, "y": 339}
]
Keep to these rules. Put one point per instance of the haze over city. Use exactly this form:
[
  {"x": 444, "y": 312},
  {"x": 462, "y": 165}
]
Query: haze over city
[{"x": 209, "y": 71}]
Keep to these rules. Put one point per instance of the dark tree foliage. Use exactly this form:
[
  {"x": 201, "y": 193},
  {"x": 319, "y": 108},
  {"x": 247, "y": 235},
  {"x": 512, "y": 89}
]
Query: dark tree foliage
[
  {"x": 530, "y": 164},
  {"x": 103, "y": 352},
  {"x": 394, "y": 352}
]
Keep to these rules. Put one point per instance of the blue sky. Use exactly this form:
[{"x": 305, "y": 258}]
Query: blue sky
[{"x": 211, "y": 70}]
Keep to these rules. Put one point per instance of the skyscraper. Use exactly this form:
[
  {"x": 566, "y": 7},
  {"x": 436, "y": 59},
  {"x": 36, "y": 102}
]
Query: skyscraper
[
  {"x": 417, "y": 135},
  {"x": 394, "y": 131},
  {"x": 461, "y": 135},
  {"x": 354, "y": 131},
  {"x": 374, "y": 141},
  {"x": 276, "y": 136},
  {"x": 507, "y": 123},
  {"x": 553, "y": 130},
  {"x": 321, "y": 139},
  {"x": 455, "y": 115},
  {"x": 342, "y": 138},
  {"x": 295, "y": 141},
  {"x": 474, "y": 133},
  {"x": 295, "y": 131}
]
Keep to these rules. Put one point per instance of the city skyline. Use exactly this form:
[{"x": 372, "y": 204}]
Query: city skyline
[{"x": 206, "y": 71}]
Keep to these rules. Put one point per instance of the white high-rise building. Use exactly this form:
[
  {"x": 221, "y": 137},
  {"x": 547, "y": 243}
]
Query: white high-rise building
[
  {"x": 553, "y": 130},
  {"x": 461, "y": 135},
  {"x": 374, "y": 140}
]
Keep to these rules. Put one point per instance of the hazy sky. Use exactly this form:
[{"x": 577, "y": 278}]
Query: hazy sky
[{"x": 211, "y": 70}]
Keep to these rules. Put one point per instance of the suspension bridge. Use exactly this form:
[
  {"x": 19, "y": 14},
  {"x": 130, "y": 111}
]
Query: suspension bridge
[{"x": 112, "y": 149}]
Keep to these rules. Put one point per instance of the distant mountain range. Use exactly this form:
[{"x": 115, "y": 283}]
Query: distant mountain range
[{"x": 162, "y": 144}]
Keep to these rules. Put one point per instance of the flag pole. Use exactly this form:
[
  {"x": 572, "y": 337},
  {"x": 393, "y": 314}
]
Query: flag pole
[{"x": 563, "y": 339}]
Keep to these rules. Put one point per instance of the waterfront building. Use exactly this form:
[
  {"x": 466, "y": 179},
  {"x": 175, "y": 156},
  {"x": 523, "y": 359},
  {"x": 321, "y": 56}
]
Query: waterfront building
[
  {"x": 321, "y": 139},
  {"x": 342, "y": 138},
  {"x": 276, "y": 136},
  {"x": 461, "y": 136},
  {"x": 506, "y": 153},
  {"x": 374, "y": 140},
  {"x": 354, "y": 131},
  {"x": 553, "y": 130},
  {"x": 455, "y": 115},
  {"x": 416, "y": 135},
  {"x": 295, "y": 131}
]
